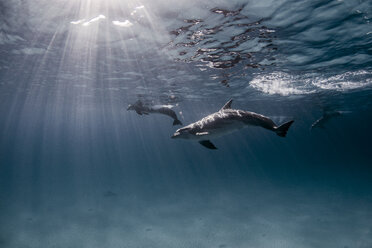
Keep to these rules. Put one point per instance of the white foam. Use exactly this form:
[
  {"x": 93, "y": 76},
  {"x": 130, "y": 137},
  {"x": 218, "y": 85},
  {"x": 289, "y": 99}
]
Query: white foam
[
  {"x": 280, "y": 83},
  {"x": 285, "y": 84},
  {"x": 345, "y": 81}
]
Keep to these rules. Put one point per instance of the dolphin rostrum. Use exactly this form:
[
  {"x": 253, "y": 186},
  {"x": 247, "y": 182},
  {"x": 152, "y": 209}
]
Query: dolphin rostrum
[
  {"x": 225, "y": 121},
  {"x": 141, "y": 109}
]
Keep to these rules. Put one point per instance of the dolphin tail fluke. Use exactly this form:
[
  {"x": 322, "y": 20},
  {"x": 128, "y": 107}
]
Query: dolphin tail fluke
[
  {"x": 177, "y": 122},
  {"x": 283, "y": 129}
]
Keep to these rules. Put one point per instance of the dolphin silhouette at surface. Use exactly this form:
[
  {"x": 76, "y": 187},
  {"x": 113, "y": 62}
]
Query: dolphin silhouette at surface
[
  {"x": 225, "y": 121},
  {"x": 142, "y": 109}
]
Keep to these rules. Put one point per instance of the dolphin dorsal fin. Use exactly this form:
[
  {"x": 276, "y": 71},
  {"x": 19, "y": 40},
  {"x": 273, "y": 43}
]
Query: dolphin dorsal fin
[{"x": 227, "y": 105}]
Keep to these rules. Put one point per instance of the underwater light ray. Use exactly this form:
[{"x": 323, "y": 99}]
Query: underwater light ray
[{"x": 36, "y": 84}]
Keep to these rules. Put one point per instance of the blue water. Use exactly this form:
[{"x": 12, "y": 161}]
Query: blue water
[{"x": 79, "y": 170}]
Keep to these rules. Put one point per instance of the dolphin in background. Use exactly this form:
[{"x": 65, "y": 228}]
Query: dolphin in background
[
  {"x": 327, "y": 115},
  {"x": 142, "y": 109},
  {"x": 227, "y": 120}
]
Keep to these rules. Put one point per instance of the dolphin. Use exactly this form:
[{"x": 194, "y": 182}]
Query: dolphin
[
  {"x": 227, "y": 120},
  {"x": 141, "y": 109},
  {"x": 327, "y": 115}
]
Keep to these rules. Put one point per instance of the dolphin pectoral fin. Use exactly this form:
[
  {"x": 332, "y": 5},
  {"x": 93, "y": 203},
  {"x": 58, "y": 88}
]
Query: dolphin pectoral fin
[
  {"x": 138, "y": 112},
  {"x": 202, "y": 133},
  {"x": 227, "y": 105},
  {"x": 208, "y": 144}
]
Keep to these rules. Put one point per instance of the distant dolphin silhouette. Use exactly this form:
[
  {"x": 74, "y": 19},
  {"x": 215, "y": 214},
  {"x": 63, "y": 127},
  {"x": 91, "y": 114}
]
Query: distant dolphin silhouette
[
  {"x": 327, "y": 115},
  {"x": 225, "y": 121},
  {"x": 141, "y": 109}
]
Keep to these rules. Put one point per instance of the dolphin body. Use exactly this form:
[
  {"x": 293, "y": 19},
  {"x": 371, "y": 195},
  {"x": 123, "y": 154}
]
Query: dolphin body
[
  {"x": 142, "y": 109},
  {"x": 225, "y": 121},
  {"x": 327, "y": 115}
]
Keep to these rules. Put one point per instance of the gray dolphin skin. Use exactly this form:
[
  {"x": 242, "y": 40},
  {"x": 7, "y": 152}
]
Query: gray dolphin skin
[
  {"x": 327, "y": 115},
  {"x": 225, "y": 121},
  {"x": 141, "y": 109}
]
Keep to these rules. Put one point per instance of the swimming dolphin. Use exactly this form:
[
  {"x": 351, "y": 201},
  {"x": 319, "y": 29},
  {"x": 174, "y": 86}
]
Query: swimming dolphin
[
  {"x": 160, "y": 109},
  {"x": 327, "y": 115},
  {"x": 225, "y": 121}
]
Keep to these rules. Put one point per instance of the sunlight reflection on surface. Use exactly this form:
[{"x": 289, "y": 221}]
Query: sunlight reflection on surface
[{"x": 125, "y": 23}]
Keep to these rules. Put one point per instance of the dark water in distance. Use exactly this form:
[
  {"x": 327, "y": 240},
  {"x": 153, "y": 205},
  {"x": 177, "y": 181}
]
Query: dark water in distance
[{"x": 79, "y": 170}]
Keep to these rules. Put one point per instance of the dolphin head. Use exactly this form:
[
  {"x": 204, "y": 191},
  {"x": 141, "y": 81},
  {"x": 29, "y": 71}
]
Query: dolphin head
[
  {"x": 183, "y": 133},
  {"x": 137, "y": 105},
  {"x": 130, "y": 107}
]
